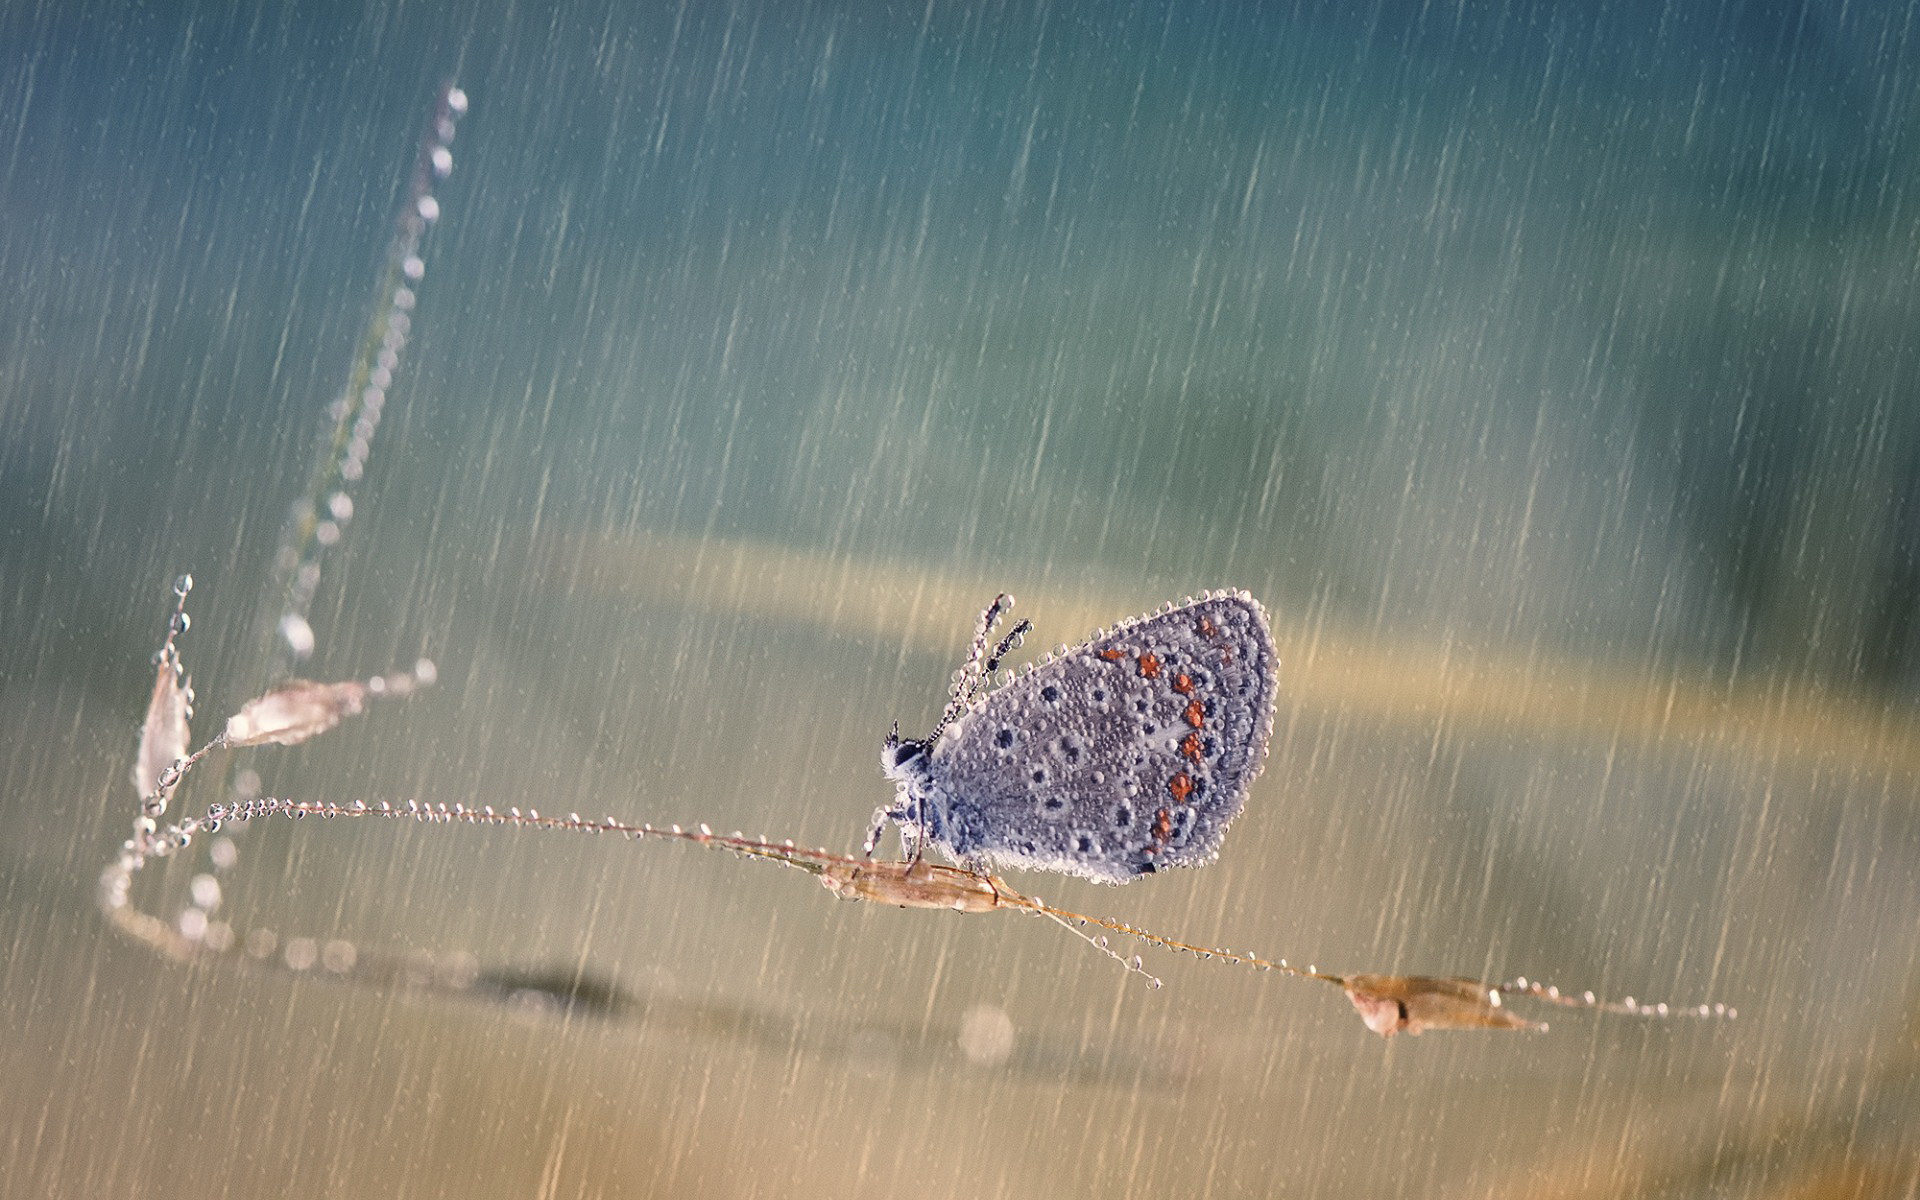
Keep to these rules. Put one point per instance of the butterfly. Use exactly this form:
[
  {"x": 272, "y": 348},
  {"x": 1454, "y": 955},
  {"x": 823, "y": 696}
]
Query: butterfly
[{"x": 1121, "y": 757}]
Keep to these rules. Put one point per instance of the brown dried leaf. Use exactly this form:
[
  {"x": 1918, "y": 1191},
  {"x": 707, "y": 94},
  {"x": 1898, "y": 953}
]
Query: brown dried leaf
[
  {"x": 294, "y": 712},
  {"x": 164, "y": 734},
  {"x": 1390, "y": 1004}
]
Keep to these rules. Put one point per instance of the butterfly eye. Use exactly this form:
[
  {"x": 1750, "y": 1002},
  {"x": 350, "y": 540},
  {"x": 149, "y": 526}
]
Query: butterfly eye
[{"x": 905, "y": 752}]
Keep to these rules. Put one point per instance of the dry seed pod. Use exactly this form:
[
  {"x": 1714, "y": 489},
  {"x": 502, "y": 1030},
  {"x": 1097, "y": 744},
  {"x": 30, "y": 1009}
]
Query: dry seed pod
[
  {"x": 164, "y": 734},
  {"x": 294, "y": 712},
  {"x": 1391, "y": 1004},
  {"x": 911, "y": 885}
]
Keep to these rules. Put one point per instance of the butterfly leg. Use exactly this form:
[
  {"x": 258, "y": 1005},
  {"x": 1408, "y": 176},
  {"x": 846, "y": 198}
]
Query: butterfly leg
[
  {"x": 881, "y": 816},
  {"x": 912, "y": 838},
  {"x": 915, "y": 847}
]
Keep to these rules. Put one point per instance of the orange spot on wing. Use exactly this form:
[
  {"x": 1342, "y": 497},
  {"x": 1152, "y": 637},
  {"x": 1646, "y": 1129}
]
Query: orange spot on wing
[
  {"x": 1207, "y": 628},
  {"x": 1111, "y": 654},
  {"x": 1149, "y": 667},
  {"x": 1181, "y": 786},
  {"x": 1163, "y": 826},
  {"x": 1196, "y": 714},
  {"x": 1183, "y": 683},
  {"x": 1190, "y": 746}
]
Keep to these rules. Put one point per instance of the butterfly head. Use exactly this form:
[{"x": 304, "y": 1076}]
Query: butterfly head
[{"x": 902, "y": 759}]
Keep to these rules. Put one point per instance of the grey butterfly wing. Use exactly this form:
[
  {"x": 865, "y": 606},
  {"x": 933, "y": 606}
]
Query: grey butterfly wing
[{"x": 1125, "y": 756}]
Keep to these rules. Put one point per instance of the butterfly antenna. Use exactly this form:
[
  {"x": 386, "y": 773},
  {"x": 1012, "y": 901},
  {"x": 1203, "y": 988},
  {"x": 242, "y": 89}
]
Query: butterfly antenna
[
  {"x": 975, "y": 669},
  {"x": 971, "y": 679},
  {"x": 1009, "y": 643}
]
